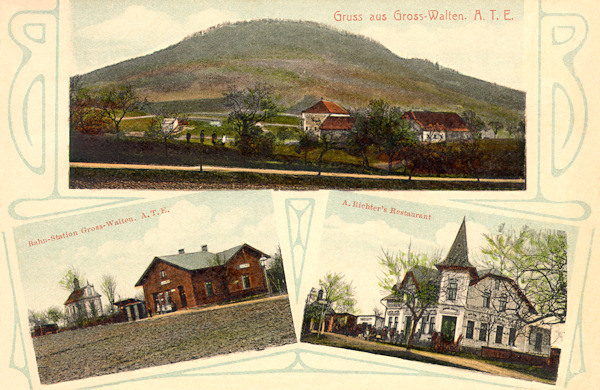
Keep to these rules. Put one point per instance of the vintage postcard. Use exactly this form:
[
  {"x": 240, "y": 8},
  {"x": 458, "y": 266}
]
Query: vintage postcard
[{"x": 299, "y": 193}]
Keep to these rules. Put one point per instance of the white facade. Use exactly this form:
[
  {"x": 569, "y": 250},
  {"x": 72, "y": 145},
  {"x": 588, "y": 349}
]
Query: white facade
[
  {"x": 83, "y": 302},
  {"x": 373, "y": 320},
  {"x": 169, "y": 126},
  {"x": 473, "y": 321},
  {"x": 478, "y": 308}
]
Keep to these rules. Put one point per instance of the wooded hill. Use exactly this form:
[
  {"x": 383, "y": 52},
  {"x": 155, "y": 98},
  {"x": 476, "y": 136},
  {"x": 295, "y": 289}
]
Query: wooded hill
[{"x": 302, "y": 61}]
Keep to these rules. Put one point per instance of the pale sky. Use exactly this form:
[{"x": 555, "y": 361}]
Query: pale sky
[
  {"x": 104, "y": 33},
  {"x": 353, "y": 239},
  {"x": 125, "y": 251}
]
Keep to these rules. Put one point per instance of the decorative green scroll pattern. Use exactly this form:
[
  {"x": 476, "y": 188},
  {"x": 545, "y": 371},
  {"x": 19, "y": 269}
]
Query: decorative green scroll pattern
[
  {"x": 18, "y": 342},
  {"x": 36, "y": 32},
  {"x": 299, "y": 213}
]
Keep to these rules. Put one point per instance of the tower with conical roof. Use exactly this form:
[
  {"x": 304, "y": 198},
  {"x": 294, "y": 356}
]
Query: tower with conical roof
[
  {"x": 458, "y": 255},
  {"x": 456, "y": 274}
]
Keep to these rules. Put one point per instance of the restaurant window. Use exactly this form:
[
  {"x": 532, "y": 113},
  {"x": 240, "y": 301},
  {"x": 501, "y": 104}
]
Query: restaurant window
[
  {"x": 486, "y": 298},
  {"x": 470, "y": 329},
  {"x": 503, "y": 301},
  {"x": 483, "y": 332},
  {"x": 432, "y": 324},
  {"x": 499, "y": 332},
  {"x": 452, "y": 287},
  {"x": 512, "y": 336}
]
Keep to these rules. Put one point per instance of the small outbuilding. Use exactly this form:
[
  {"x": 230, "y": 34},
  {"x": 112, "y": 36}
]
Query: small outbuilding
[
  {"x": 170, "y": 125},
  {"x": 132, "y": 309},
  {"x": 373, "y": 320}
]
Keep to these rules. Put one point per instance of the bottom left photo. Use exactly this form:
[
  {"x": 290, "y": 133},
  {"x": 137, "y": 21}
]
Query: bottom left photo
[{"x": 153, "y": 284}]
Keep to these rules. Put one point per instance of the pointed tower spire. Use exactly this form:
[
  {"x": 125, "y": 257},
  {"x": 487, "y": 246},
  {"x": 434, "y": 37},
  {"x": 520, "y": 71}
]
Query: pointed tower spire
[{"x": 458, "y": 255}]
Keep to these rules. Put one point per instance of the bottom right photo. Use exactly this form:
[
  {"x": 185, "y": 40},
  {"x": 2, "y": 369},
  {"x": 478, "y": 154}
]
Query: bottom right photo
[{"x": 442, "y": 286}]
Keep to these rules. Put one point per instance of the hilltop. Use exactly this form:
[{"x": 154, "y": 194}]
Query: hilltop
[{"x": 303, "y": 61}]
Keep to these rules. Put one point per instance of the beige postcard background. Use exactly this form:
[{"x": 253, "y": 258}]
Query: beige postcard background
[{"x": 559, "y": 74}]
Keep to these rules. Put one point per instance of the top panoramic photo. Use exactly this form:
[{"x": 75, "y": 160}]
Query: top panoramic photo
[{"x": 297, "y": 95}]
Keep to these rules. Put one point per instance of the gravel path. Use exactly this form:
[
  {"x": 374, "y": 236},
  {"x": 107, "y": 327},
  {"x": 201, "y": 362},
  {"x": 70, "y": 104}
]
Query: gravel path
[{"x": 186, "y": 335}]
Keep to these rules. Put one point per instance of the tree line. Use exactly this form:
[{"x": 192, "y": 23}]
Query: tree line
[
  {"x": 92, "y": 112},
  {"x": 378, "y": 129}
]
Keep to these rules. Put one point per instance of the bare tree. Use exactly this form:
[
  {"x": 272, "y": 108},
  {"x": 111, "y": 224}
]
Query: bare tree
[
  {"x": 37, "y": 318},
  {"x": 363, "y": 136},
  {"x": 276, "y": 273},
  {"x": 517, "y": 131},
  {"x": 472, "y": 147},
  {"x": 163, "y": 127},
  {"x": 496, "y": 126},
  {"x": 108, "y": 285},
  {"x": 377, "y": 312},
  {"x": 325, "y": 144},
  {"x": 537, "y": 262},
  {"x": 306, "y": 144}
]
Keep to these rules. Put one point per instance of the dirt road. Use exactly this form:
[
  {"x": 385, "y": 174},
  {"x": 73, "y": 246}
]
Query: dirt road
[
  {"x": 209, "y": 168},
  {"x": 453, "y": 360}
]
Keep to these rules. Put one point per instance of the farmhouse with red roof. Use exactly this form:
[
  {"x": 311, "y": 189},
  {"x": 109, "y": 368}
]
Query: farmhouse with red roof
[
  {"x": 327, "y": 118},
  {"x": 438, "y": 126},
  {"x": 478, "y": 308}
]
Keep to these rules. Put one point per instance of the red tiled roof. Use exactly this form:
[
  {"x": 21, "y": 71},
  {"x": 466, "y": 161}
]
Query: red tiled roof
[
  {"x": 337, "y": 123},
  {"x": 325, "y": 107},
  {"x": 75, "y": 296},
  {"x": 437, "y": 121}
]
